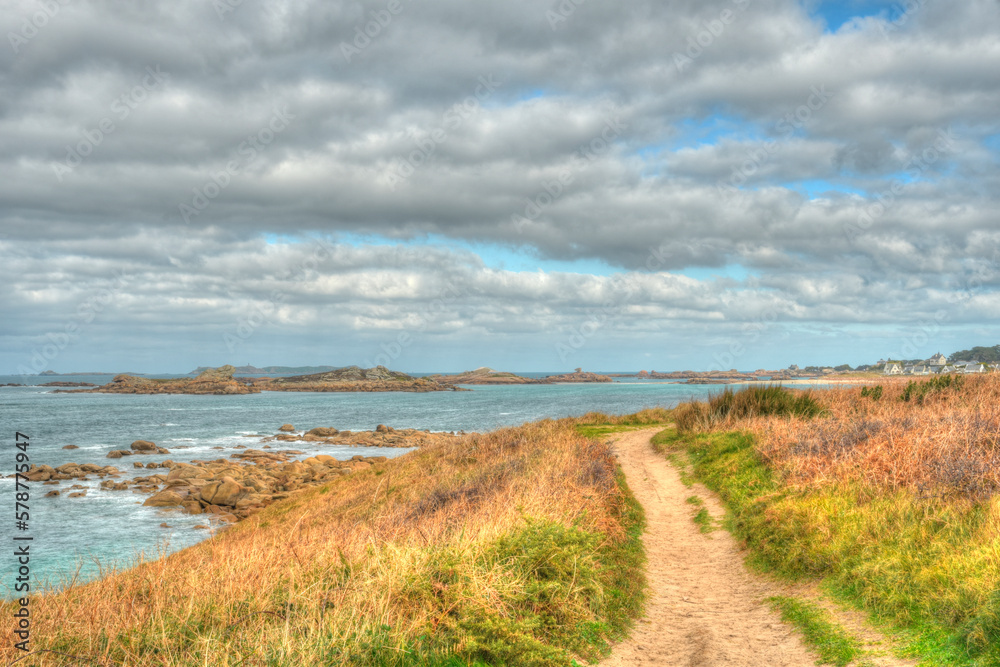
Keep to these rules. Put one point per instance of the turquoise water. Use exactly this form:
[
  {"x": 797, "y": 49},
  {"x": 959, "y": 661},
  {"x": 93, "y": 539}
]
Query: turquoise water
[{"x": 104, "y": 528}]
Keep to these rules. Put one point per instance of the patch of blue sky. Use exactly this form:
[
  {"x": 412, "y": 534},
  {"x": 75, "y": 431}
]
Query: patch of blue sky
[
  {"x": 817, "y": 188},
  {"x": 281, "y": 239},
  {"x": 493, "y": 255},
  {"x": 710, "y": 129},
  {"x": 731, "y": 271},
  {"x": 532, "y": 94},
  {"x": 835, "y": 14},
  {"x": 992, "y": 142}
]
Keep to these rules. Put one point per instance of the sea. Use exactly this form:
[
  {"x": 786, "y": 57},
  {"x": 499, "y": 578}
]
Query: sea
[{"x": 78, "y": 539}]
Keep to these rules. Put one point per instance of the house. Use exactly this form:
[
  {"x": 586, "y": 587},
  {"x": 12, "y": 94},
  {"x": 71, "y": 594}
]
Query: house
[
  {"x": 937, "y": 360},
  {"x": 921, "y": 370},
  {"x": 893, "y": 369}
]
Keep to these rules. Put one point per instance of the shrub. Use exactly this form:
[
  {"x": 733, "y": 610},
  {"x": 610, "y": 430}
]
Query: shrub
[{"x": 729, "y": 406}]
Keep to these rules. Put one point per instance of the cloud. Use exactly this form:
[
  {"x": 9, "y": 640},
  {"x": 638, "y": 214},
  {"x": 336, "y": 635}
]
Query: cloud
[{"x": 401, "y": 140}]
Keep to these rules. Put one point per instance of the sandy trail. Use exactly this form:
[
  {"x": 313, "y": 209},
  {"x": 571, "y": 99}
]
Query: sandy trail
[{"x": 704, "y": 607}]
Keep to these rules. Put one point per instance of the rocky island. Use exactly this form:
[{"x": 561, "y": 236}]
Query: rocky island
[
  {"x": 212, "y": 381},
  {"x": 352, "y": 378},
  {"x": 484, "y": 375},
  {"x": 487, "y": 375},
  {"x": 579, "y": 375}
]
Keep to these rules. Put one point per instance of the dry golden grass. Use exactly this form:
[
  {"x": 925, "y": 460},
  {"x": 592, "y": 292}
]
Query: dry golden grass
[
  {"x": 944, "y": 443},
  {"x": 368, "y": 565},
  {"x": 887, "y": 493}
]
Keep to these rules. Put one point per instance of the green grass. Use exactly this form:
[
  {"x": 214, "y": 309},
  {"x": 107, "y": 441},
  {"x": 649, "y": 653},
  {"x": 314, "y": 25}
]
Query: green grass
[
  {"x": 748, "y": 402},
  {"x": 572, "y": 574},
  {"x": 706, "y": 523},
  {"x": 601, "y": 430},
  {"x": 834, "y": 645},
  {"x": 923, "y": 567}
]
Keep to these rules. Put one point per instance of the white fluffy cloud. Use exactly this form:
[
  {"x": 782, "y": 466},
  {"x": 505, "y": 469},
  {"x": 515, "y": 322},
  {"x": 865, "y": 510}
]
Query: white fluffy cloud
[{"x": 850, "y": 177}]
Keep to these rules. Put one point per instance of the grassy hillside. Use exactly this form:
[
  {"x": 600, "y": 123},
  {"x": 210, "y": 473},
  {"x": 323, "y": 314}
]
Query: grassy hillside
[
  {"x": 518, "y": 547},
  {"x": 889, "y": 495}
]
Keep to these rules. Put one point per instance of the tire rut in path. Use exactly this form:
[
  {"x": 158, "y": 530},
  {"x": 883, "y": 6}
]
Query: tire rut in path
[{"x": 704, "y": 607}]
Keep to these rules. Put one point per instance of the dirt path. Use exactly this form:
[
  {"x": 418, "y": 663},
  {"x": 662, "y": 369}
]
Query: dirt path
[{"x": 704, "y": 608}]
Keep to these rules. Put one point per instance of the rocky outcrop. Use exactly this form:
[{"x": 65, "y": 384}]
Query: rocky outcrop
[
  {"x": 212, "y": 381},
  {"x": 484, "y": 376},
  {"x": 382, "y": 436},
  {"x": 579, "y": 376},
  {"x": 287, "y": 428},
  {"x": 226, "y": 492},
  {"x": 164, "y": 499},
  {"x": 249, "y": 480},
  {"x": 352, "y": 378}
]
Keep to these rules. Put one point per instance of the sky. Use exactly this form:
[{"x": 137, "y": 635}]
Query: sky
[{"x": 531, "y": 185}]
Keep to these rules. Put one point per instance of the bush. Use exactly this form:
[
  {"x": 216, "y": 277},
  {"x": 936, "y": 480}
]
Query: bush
[
  {"x": 920, "y": 390},
  {"x": 730, "y": 406}
]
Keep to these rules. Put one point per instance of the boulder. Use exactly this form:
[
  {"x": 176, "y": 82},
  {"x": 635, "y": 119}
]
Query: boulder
[
  {"x": 164, "y": 499},
  {"x": 201, "y": 526},
  {"x": 183, "y": 471},
  {"x": 91, "y": 467},
  {"x": 226, "y": 492},
  {"x": 144, "y": 446},
  {"x": 51, "y": 494},
  {"x": 78, "y": 494},
  {"x": 287, "y": 428},
  {"x": 381, "y": 428},
  {"x": 118, "y": 453},
  {"x": 323, "y": 432},
  {"x": 191, "y": 507},
  {"x": 71, "y": 447}
]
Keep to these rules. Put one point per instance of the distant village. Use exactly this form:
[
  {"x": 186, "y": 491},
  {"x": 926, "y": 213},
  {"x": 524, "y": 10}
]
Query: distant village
[{"x": 936, "y": 365}]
